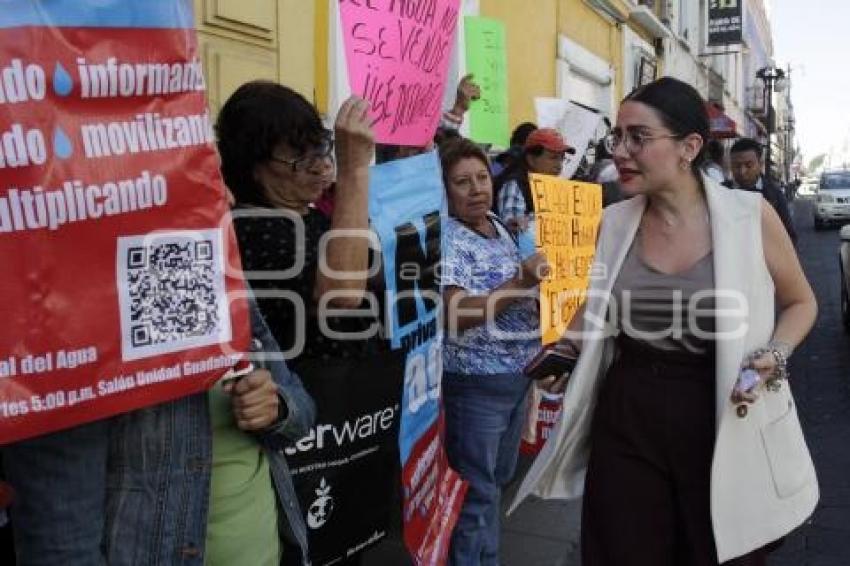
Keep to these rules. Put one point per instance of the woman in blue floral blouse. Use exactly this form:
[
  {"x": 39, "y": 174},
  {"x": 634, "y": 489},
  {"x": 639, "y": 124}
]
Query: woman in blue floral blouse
[{"x": 492, "y": 332}]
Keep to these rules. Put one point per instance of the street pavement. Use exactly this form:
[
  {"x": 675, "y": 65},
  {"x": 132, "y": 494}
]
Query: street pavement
[
  {"x": 546, "y": 533},
  {"x": 821, "y": 381}
]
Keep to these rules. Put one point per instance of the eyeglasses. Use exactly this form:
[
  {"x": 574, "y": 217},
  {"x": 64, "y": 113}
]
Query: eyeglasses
[
  {"x": 634, "y": 140},
  {"x": 311, "y": 159}
]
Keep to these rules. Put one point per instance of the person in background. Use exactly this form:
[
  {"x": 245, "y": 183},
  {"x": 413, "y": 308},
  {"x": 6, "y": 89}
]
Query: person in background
[
  {"x": 544, "y": 152},
  {"x": 194, "y": 481},
  {"x": 277, "y": 159},
  {"x": 676, "y": 463},
  {"x": 745, "y": 157},
  {"x": 603, "y": 169},
  {"x": 514, "y": 153},
  {"x": 277, "y": 156},
  {"x": 7, "y": 545},
  {"x": 443, "y": 135},
  {"x": 714, "y": 161},
  {"x": 492, "y": 332},
  {"x": 604, "y": 172},
  {"x": 236, "y": 502},
  {"x": 467, "y": 93},
  {"x": 791, "y": 190}
]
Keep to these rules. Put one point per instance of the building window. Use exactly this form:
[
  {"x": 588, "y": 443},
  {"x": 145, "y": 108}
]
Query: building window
[
  {"x": 715, "y": 86},
  {"x": 684, "y": 18},
  {"x": 646, "y": 71}
]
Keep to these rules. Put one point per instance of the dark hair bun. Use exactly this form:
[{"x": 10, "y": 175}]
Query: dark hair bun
[{"x": 680, "y": 106}]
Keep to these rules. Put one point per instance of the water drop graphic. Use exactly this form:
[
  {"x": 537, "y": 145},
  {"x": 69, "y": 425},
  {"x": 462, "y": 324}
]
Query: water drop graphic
[
  {"x": 62, "y": 144},
  {"x": 62, "y": 81}
]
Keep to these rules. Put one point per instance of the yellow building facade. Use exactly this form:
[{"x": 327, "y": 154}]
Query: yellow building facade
[
  {"x": 580, "y": 50},
  {"x": 531, "y": 32},
  {"x": 592, "y": 52},
  {"x": 243, "y": 40},
  {"x": 561, "y": 49}
]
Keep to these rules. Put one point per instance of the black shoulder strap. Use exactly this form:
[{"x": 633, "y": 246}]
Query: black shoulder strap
[{"x": 498, "y": 222}]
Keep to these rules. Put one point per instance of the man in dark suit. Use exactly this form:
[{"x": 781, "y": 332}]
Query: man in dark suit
[{"x": 746, "y": 160}]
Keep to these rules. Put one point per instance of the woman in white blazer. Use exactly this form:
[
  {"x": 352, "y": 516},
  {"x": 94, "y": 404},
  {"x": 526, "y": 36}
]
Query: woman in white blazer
[{"x": 676, "y": 468}]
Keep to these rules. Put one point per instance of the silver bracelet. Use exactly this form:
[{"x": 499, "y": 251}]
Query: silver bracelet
[
  {"x": 780, "y": 352},
  {"x": 783, "y": 348}
]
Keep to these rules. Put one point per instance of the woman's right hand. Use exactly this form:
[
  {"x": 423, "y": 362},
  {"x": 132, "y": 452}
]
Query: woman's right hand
[
  {"x": 558, "y": 384},
  {"x": 255, "y": 401},
  {"x": 554, "y": 384},
  {"x": 467, "y": 91},
  {"x": 535, "y": 269},
  {"x": 355, "y": 141}
]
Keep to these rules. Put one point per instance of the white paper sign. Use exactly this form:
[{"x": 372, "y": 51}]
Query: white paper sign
[{"x": 578, "y": 126}]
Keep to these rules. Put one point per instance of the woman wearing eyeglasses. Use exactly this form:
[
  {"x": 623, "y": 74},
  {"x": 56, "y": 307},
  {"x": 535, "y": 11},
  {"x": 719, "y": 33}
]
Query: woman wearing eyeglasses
[
  {"x": 679, "y": 461},
  {"x": 278, "y": 159},
  {"x": 492, "y": 331}
]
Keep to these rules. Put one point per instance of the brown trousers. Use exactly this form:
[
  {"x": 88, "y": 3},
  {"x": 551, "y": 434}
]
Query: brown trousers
[{"x": 647, "y": 490}]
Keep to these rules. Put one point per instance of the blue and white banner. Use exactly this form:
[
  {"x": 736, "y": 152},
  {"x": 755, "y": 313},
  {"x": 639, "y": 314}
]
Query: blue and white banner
[{"x": 407, "y": 207}]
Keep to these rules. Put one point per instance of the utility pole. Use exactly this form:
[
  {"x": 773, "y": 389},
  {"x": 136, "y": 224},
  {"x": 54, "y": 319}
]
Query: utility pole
[{"x": 772, "y": 77}]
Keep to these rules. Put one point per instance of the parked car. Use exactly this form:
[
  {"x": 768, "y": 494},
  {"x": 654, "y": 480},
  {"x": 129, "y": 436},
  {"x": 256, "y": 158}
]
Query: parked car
[
  {"x": 832, "y": 201},
  {"x": 844, "y": 268},
  {"x": 808, "y": 187}
]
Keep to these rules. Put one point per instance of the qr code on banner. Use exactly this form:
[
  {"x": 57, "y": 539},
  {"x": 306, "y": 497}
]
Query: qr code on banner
[{"x": 171, "y": 292}]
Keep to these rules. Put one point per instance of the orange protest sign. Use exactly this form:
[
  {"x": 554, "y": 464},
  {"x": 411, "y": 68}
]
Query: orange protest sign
[{"x": 567, "y": 222}]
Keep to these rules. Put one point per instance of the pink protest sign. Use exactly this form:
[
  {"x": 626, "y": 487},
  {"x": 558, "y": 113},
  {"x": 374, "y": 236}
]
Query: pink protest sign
[{"x": 398, "y": 53}]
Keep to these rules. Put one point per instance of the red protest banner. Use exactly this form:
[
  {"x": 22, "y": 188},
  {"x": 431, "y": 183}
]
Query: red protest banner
[
  {"x": 113, "y": 229},
  {"x": 433, "y": 496}
]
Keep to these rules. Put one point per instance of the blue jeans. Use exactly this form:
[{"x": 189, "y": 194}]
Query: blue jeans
[
  {"x": 134, "y": 488},
  {"x": 59, "y": 481},
  {"x": 484, "y": 420}
]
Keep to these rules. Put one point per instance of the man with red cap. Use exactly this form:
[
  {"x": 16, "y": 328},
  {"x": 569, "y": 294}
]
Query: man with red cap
[{"x": 544, "y": 153}]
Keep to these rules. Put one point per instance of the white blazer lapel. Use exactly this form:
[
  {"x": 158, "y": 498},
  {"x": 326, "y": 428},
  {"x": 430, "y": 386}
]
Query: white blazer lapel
[
  {"x": 558, "y": 471},
  {"x": 730, "y": 229}
]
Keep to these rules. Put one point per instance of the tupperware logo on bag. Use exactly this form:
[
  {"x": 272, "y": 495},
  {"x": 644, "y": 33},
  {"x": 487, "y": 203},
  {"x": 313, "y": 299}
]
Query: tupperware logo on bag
[{"x": 349, "y": 431}]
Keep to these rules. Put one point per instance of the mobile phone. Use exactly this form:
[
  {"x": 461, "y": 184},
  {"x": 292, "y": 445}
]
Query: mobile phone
[
  {"x": 747, "y": 380},
  {"x": 550, "y": 361}
]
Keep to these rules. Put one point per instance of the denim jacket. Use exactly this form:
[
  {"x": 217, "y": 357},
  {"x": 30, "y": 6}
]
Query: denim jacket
[
  {"x": 159, "y": 473},
  {"x": 156, "y": 464}
]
